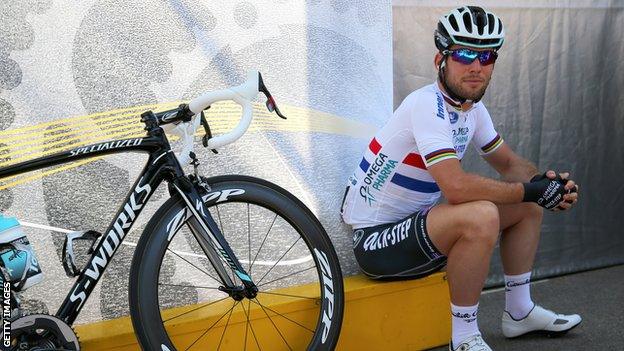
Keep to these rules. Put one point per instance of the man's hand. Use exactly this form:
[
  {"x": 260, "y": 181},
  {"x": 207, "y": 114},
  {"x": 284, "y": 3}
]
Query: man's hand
[{"x": 570, "y": 196}]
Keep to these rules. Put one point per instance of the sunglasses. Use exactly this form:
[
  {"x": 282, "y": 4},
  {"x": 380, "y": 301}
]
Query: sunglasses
[{"x": 467, "y": 56}]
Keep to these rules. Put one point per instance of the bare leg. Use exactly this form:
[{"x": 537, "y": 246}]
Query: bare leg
[
  {"x": 521, "y": 225},
  {"x": 466, "y": 233}
]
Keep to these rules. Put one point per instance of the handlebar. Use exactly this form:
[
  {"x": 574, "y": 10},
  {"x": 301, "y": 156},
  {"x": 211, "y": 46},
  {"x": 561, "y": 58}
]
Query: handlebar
[
  {"x": 191, "y": 114},
  {"x": 242, "y": 95}
]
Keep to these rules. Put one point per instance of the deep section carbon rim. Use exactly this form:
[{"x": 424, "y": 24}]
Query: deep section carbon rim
[{"x": 289, "y": 312}]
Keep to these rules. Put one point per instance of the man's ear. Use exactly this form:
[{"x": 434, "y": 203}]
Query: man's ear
[{"x": 436, "y": 60}]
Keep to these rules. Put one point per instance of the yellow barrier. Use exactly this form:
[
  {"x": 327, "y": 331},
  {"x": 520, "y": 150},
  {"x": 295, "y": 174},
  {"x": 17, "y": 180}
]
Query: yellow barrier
[{"x": 403, "y": 315}]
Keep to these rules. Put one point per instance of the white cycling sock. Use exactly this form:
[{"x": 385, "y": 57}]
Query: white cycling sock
[
  {"x": 518, "y": 295},
  {"x": 464, "y": 323}
]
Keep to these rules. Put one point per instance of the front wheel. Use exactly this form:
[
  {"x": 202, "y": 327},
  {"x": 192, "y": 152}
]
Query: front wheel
[{"x": 175, "y": 297}]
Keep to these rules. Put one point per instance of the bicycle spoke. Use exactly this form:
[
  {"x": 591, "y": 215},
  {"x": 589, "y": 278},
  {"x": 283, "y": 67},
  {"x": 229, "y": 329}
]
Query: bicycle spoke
[
  {"x": 278, "y": 261},
  {"x": 289, "y": 295},
  {"x": 276, "y": 328},
  {"x": 261, "y": 245},
  {"x": 189, "y": 262},
  {"x": 190, "y": 286},
  {"x": 249, "y": 325},
  {"x": 225, "y": 328},
  {"x": 213, "y": 324},
  {"x": 195, "y": 309},
  {"x": 281, "y": 315},
  {"x": 249, "y": 238},
  {"x": 286, "y": 276}
]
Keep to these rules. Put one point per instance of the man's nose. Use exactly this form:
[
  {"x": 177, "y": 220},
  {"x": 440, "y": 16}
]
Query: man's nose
[{"x": 475, "y": 66}]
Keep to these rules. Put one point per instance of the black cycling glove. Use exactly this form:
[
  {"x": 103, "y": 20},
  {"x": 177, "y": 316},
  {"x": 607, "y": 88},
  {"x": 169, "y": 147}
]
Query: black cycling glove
[{"x": 546, "y": 192}]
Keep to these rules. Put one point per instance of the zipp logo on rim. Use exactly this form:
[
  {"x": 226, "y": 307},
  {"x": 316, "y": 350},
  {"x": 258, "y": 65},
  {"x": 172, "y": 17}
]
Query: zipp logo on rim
[
  {"x": 329, "y": 293},
  {"x": 222, "y": 195}
]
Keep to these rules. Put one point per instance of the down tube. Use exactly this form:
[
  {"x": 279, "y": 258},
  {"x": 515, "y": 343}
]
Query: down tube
[{"x": 136, "y": 199}]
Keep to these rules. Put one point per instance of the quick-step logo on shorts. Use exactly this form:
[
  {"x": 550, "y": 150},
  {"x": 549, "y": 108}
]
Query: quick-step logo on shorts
[{"x": 389, "y": 236}]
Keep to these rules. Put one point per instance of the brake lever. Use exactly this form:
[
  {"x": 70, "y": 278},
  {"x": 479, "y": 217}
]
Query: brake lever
[
  {"x": 270, "y": 103},
  {"x": 208, "y": 135}
]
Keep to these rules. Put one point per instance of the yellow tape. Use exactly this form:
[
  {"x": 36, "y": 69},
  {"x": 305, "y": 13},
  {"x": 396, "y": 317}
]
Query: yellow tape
[{"x": 35, "y": 141}]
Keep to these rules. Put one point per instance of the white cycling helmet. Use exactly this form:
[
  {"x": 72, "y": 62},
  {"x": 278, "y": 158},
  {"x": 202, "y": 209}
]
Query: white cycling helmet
[{"x": 469, "y": 26}]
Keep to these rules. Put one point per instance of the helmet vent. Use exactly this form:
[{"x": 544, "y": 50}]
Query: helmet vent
[
  {"x": 467, "y": 22},
  {"x": 490, "y": 23},
  {"x": 500, "y": 26},
  {"x": 453, "y": 23}
]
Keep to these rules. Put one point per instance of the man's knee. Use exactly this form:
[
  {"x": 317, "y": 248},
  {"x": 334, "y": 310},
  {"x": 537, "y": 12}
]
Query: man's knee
[
  {"x": 482, "y": 222},
  {"x": 534, "y": 211}
]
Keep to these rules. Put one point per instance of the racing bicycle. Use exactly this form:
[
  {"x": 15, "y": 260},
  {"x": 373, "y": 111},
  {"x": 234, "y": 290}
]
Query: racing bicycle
[{"x": 229, "y": 262}]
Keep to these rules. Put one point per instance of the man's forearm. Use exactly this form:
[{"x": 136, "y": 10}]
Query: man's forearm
[
  {"x": 472, "y": 187},
  {"x": 520, "y": 170}
]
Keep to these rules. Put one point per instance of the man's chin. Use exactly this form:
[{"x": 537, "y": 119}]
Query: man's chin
[{"x": 474, "y": 94}]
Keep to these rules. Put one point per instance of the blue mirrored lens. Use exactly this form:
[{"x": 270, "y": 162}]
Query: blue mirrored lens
[{"x": 467, "y": 56}]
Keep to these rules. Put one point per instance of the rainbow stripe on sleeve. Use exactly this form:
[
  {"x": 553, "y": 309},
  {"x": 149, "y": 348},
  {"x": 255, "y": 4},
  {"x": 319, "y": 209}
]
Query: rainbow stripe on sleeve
[
  {"x": 439, "y": 155},
  {"x": 492, "y": 145}
]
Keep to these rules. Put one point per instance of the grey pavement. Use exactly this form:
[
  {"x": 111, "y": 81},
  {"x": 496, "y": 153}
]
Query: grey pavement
[{"x": 598, "y": 296}]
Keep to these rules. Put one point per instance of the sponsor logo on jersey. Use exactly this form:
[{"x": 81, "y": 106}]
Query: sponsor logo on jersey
[
  {"x": 366, "y": 194},
  {"x": 376, "y": 176},
  {"x": 389, "y": 236},
  {"x": 461, "y": 131},
  {"x": 453, "y": 117},
  {"x": 440, "y": 112}
]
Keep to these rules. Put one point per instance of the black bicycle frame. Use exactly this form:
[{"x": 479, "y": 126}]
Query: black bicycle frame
[{"x": 161, "y": 165}]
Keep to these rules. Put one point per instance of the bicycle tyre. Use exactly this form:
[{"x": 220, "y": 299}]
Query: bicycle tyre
[{"x": 147, "y": 272}]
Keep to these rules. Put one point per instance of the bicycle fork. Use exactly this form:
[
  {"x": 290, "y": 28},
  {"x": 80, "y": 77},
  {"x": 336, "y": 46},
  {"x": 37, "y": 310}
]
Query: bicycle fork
[{"x": 213, "y": 243}]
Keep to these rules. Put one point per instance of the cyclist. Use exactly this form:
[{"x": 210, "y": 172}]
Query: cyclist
[{"x": 392, "y": 200}]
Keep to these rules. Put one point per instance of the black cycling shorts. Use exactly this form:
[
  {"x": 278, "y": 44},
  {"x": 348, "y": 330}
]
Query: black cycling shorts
[{"x": 399, "y": 250}]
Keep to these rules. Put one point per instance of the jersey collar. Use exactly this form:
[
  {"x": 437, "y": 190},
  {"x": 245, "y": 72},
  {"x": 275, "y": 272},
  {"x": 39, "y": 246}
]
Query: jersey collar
[{"x": 453, "y": 103}]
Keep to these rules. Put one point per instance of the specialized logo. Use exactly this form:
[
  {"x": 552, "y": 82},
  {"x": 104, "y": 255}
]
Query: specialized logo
[
  {"x": 357, "y": 237},
  {"x": 106, "y": 146},
  {"x": 389, "y": 236},
  {"x": 376, "y": 176},
  {"x": 453, "y": 117},
  {"x": 328, "y": 313},
  {"x": 111, "y": 242},
  {"x": 440, "y": 112}
]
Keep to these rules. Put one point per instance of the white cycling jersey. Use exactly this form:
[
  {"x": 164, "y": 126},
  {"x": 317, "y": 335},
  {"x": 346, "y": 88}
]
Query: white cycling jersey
[{"x": 392, "y": 181}]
